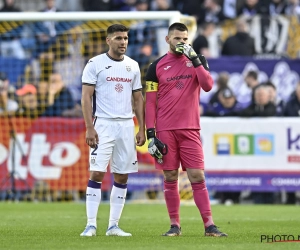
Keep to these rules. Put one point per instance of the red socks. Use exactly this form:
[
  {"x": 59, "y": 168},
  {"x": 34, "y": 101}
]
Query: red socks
[
  {"x": 201, "y": 199},
  {"x": 172, "y": 201}
]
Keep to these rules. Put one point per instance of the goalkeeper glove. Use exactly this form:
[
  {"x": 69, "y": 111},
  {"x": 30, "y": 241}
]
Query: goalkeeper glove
[
  {"x": 156, "y": 148},
  {"x": 190, "y": 53}
]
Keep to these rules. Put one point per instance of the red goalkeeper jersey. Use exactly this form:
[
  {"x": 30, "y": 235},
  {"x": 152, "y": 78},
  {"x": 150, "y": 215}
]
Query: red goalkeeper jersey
[{"x": 173, "y": 92}]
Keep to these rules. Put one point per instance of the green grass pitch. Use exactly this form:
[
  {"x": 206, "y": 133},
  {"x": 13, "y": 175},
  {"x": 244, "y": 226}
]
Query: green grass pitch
[{"x": 46, "y": 226}]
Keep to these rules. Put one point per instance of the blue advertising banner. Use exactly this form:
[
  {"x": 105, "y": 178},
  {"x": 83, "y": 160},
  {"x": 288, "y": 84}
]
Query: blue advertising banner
[
  {"x": 145, "y": 180},
  {"x": 255, "y": 182}
]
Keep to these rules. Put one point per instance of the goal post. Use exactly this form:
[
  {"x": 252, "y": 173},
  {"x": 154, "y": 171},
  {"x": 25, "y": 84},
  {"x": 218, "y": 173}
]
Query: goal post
[{"x": 112, "y": 16}]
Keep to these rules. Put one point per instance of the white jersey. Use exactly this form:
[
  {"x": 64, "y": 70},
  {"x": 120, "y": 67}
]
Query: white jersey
[{"x": 115, "y": 81}]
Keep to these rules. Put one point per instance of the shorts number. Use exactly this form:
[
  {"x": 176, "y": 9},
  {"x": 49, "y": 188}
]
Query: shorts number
[{"x": 93, "y": 152}]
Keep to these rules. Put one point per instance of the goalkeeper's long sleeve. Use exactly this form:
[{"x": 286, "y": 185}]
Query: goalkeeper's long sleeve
[
  {"x": 150, "y": 112},
  {"x": 204, "y": 78}
]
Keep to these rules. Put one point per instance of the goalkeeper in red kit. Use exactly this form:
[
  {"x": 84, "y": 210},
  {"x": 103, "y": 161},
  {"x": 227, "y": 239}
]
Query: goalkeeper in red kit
[{"x": 173, "y": 89}]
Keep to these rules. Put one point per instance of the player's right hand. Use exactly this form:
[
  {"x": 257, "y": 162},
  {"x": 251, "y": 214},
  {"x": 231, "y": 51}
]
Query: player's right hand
[
  {"x": 91, "y": 137},
  {"x": 189, "y": 52},
  {"x": 156, "y": 148}
]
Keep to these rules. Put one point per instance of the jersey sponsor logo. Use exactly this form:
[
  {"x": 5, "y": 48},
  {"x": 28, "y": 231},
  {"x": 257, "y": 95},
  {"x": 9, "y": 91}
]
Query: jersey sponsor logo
[
  {"x": 176, "y": 78},
  {"x": 128, "y": 68},
  {"x": 108, "y": 67},
  {"x": 151, "y": 86},
  {"x": 244, "y": 144},
  {"x": 119, "y": 87},
  {"x": 118, "y": 79},
  {"x": 166, "y": 68}
]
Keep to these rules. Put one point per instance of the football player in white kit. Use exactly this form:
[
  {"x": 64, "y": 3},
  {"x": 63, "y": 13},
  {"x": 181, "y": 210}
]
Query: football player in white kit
[{"x": 109, "y": 82}]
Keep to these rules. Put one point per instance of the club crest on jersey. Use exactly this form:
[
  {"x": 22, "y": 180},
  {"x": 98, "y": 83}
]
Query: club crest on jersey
[
  {"x": 189, "y": 64},
  {"x": 128, "y": 68}
]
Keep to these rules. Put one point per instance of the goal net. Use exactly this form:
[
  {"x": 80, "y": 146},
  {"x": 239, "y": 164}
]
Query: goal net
[{"x": 43, "y": 155}]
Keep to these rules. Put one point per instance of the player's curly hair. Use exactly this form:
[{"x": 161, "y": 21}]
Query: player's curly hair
[{"x": 117, "y": 28}]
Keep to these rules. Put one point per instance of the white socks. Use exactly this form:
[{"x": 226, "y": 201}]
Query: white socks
[
  {"x": 117, "y": 201},
  {"x": 93, "y": 198}
]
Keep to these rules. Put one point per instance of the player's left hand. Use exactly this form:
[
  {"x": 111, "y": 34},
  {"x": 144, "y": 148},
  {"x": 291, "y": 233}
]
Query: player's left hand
[{"x": 189, "y": 52}]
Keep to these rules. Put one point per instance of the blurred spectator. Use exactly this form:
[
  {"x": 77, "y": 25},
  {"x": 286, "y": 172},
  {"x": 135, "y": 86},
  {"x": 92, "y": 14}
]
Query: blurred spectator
[
  {"x": 249, "y": 9},
  {"x": 251, "y": 80},
  {"x": 97, "y": 5},
  {"x": 262, "y": 105},
  {"x": 140, "y": 5},
  {"x": 292, "y": 107},
  {"x": 59, "y": 97},
  {"x": 201, "y": 43},
  {"x": 9, "y": 6},
  {"x": 45, "y": 32},
  {"x": 213, "y": 12},
  {"x": 240, "y": 44},
  {"x": 293, "y": 8},
  {"x": 50, "y": 7},
  {"x": 144, "y": 56},
  {"x": 160, "y": 27},
  {"x": 142, "y": 33},
  {"x": 69, "y": 5},
  {"x": 10, "y": 41},
  {"x": 53, "y": 45},
  {"x": 226, "y": 104},
  {"x": 273, "y": 98},
  {"x": 222, "y": 83},
  {"x": 28, "y": 103},
  {"x": 277, "y": 7},
  {"x": 71, "y": 64},
  {"x": 191, "y": 8},
  {"x": 160, "y": 5},
  {"x": 7, "y": 105},
  {"x": 231, "y": 8},
  {"x": 42, "y": 94}
]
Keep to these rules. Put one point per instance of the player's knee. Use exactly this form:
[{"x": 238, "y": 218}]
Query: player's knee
[
  {"x": 121, "y": 178},
  {"x": 96, "y": 176},
  {"x": 171, "y": 175},
  {"x": 195, "y": 175}
]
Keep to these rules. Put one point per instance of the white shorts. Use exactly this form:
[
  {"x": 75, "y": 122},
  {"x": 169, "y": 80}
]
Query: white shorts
[{"x": 116, "y": 146}]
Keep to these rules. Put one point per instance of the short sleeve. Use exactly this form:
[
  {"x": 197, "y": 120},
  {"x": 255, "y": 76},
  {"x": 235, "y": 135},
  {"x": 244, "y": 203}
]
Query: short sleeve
[
  {"x": 89, "y": 73},
  {"x": 137, "y": 79}
]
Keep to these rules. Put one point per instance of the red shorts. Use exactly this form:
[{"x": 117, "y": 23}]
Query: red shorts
[{"x": 184, "y": 146}]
